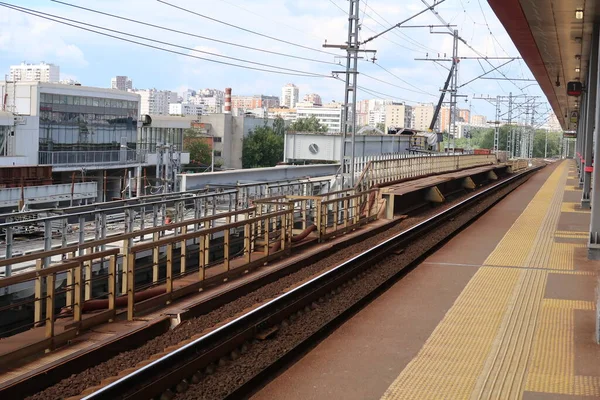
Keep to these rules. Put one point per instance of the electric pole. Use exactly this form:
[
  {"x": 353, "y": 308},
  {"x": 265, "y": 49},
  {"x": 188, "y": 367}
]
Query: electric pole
[
  {"x": 510, "y": 134},
  {"x": 349, "y": 107}
]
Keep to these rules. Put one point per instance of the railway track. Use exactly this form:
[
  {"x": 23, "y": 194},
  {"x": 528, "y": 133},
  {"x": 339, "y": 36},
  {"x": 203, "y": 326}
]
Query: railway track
[{"x": 234, "y": 359}]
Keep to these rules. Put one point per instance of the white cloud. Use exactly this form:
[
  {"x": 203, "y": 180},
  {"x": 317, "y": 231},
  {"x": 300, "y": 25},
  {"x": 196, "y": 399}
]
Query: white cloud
[
  {"x": 305, "y": 22},
  {"x": 27, "y": 38}
]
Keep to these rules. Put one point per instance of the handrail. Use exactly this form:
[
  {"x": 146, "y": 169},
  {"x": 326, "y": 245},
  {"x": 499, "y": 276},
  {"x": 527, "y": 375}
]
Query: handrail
[{"x": 117, "y": 238}]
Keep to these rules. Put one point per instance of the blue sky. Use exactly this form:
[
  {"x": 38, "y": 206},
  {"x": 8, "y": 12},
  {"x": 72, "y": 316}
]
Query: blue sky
[{"x": 93, "y": 59}]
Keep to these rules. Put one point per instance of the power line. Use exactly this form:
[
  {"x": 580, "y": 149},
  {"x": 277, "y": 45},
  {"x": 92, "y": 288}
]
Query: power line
[
  {"x": 398, "y": 86},
  {"x": 405, "y": 37},
  {"x": 38, "y": 14},
  {"x": 244, "y": 29},
  {"x": 400, "y": 79},
  {"x": 339, "y": 8},
  {"x": 161, "y": 42},
  {"x": 270, "y": 19},
  {"x": 436, "y": 2},
  {"x": 191, "y": 34}
]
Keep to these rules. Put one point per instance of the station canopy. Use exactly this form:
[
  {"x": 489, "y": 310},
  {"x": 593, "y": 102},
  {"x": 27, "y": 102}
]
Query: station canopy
[{"x": 554, "y": 38}]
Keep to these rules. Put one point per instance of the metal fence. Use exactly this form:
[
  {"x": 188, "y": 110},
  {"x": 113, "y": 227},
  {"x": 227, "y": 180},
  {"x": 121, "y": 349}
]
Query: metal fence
[
  {"x": 390, "y": 170},
  {"x": 74, "y": 158}
]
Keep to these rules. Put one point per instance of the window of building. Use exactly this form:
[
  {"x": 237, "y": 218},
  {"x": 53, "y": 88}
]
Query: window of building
[{"x": 217, "y": 153}]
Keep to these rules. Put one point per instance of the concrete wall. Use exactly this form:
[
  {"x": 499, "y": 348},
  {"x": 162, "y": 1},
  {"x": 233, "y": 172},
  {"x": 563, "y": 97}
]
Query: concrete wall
[
  {"x": 302, "y": 146},
  {"x": 232, "y": 131},
  {"x": 284, "y": 172}
]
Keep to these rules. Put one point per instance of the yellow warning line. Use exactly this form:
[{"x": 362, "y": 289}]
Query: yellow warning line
[
  {"x": 574, "y": 207},
  {"x": 552, "y": 368},
  {"x": 481, "y": 346}
]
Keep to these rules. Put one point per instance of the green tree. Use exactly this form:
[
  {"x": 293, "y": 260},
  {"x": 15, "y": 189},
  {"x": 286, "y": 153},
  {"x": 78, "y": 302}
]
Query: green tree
[
  {"x": 310, "y": 124},
  {"x": 198, "y": 146},
  {"x": 262, "y": 148},
  {"x": 553, "y": 144},
  {"x": 200, "y": 151},
  {"x": 279, "y": 126},
  {"x": 380, "y": 126}
]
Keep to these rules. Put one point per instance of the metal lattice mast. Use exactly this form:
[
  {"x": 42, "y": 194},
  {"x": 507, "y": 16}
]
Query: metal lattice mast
[
  {"x": 349, "y": 107},
  {"x": 511, "y": 133},
  {"x": 454, "y": 90},
  {"x": 497, "y": 126}
]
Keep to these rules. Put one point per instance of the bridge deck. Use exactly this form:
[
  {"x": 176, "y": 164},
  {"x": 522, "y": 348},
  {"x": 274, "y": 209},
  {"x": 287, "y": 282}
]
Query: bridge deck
[{"x": 506, "y": 309}]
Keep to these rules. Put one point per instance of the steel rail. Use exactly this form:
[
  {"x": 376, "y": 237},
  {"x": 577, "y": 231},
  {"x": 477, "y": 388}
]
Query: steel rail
[{"x": 169, "y": 370}]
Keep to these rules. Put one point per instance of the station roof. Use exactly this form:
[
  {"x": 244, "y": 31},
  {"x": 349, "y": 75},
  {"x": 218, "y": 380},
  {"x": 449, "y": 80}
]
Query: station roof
[{"x": 550, "y": 39}]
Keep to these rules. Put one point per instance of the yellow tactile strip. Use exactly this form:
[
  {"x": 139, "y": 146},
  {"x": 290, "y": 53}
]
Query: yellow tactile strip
[
  {"x": 562, "y": 256},
  {"x": 574, "y": 207},
  {"x": 552, "y": 368},
  {"x": 483, "y": 346},
  {"x": 571, "y": 235},
  {"x": 452, "y": 358}
]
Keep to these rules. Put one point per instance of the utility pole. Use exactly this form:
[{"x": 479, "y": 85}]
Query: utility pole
[
  {"x": 497, "y": 127},
  {"x": 454, "y": 90},
  {"x": 349, "y": 107},
  {"x": 510, "y": 134}
]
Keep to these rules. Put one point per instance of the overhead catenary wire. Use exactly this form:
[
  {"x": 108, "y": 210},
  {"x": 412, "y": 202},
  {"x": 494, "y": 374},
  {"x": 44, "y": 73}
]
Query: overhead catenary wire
[
  {"x": 400, "y": 79},
  {"x": 304, "y": 32},
  {"x": 397, "y": 33},
  {"x": 192, "y": 34},
  {"x": 245, "y": 29},
  {"x": 282, "y": 71},
  {"x": 300, "y": 73},
  {"x": 397, "y": 86}
]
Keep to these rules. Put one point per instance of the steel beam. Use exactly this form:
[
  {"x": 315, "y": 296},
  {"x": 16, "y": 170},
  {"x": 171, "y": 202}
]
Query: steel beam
[
  {"x": 593, "y": 114},
  {"x": 594, "y": 242}
]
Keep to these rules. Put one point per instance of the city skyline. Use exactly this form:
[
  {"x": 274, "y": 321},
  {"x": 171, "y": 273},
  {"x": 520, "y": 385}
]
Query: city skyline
[{"x": 92, "y": 59}]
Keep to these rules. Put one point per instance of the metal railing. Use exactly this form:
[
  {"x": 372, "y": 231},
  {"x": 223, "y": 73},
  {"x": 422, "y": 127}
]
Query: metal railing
[
  {"x": 76, "y": 158},
  {"x": 247, "y": 241},
  {"x": 384, "y": 171}
]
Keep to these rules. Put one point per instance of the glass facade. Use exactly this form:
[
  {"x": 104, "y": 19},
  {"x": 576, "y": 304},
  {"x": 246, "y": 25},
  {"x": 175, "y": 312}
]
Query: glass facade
[
  {"x": 151, "y": 136},
  {"x": 83, "y": 124},
  {"x": 4, "y": 131}
]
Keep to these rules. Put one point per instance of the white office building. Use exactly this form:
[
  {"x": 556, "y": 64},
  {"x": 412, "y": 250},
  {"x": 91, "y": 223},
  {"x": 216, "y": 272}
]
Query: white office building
[
  {"x": 41, "y": 72},
  {"x": 90, "y": 132},
  {"x": 186, "y": 109},
  {"x": 289, "y": 96},
  {"x": 121, "y": 83},
  {"x": 330, "y": 117},
  {"x": 156, "y": 102}
]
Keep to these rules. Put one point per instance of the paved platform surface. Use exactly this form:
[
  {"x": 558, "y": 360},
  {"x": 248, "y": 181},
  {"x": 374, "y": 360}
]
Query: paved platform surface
[{"x": 505, "y": 310}]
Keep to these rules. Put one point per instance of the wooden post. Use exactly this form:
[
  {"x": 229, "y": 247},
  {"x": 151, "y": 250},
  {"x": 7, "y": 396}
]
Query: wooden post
[
  {"x": 169, "y": 281},
  {"x": 87, "y": 267},
  {"x": 69, "y": 290},
  {"x": 336, "y": 213},
  {"x": 226, "y": 237},
  {"x": 202, "y": 257},
  {"x": 247, "y": 242},
  {"x": 37, "y": 312},
  {"x": 50, "y": 297},
  {"x": 78, "y": 304},
  {"x": 346, "y": 212},
  {"x": 319, "y": 220},
  {"x": 304, "y": 205},
  {"x": 124, "y": 274},
  {"x": 155, "y": 259},
  {"x": 266, "y": 233},
  {"x": 183, "y": 253},
  {"x": 130, "y": 285},
  {"x": 112, "y": 282}
]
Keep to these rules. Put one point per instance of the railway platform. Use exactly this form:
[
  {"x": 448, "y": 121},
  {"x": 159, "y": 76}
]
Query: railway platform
[{"x": 505, "y": 309}]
